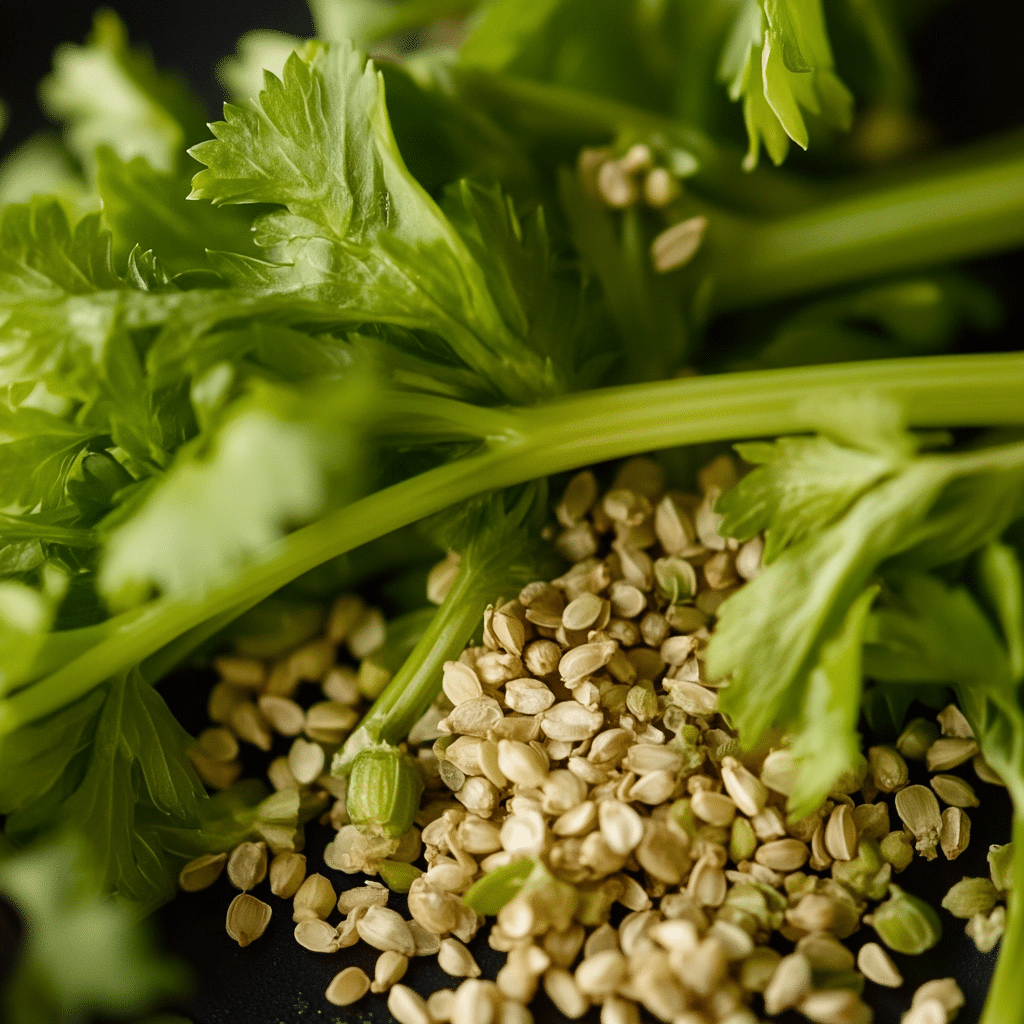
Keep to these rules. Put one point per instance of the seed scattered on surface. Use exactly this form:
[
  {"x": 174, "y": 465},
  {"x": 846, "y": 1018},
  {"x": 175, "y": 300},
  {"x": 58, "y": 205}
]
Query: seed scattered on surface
[
  {"x": 407, "y": 1006},
  {"x": 876, "y": 965},
  {"x": 454, "y": 959},
  {"x": 202, "y": 872},
  {"x": 348, "y": 986},
  {"x": 949, "y": 752},
  {"x": 971, "y": 896},
  {"x": 385, "y": 929},
  {"x": 954, "y": 791},
  {"x": 790, "y": 983},
  {"x": 317, "y": 936},
  {"x": 389, "y": 970},
  {"x": 287, "y": 873},
  {"x": 247, "y": 865},
  {"x": 247, "y": 918},
  {"x": 677, "y": 245},
  {"x": 315, "y": 897},
  {"x": 919, "y": 811},
  {"x": 841, "y": 833}
]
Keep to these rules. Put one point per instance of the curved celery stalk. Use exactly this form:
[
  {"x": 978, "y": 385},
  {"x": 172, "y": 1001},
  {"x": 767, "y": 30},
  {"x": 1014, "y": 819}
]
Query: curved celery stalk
[
  {"x": 953, "y": 213},
  {"x": 1005, "y": 1000},
  {"x": 588, "y": 427}
]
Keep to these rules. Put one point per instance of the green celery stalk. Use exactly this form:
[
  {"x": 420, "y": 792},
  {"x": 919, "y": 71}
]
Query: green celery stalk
[
  {"x": 1005, "y": 999},
  {"x": 584, "y": 428}
]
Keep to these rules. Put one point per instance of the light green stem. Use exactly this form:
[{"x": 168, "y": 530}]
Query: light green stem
[
  {"x": 1005, "y": 1000},
  {"x": 955, "y": 213},
  {"x": 589, "y": 427}
]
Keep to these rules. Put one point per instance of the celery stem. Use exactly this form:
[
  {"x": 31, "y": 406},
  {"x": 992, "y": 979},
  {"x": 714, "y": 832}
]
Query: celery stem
[
  {"x": 1005, "y": 1001},
  {"x": 976, "y": 390}
]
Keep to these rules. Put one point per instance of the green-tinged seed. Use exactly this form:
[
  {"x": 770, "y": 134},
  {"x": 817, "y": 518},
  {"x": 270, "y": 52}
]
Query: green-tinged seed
[
  {"x": 642, "y": 701},
  {"x": 850, "y": 980},
  {"x": 897, "y": 850},
  {"x": 971, "y": 896},
  {"x": 866, "y": 875},
  {"x": 384, "y": 789},
  {"x": 888, "y": 768},
  {"x": 952, "y": 790},
  {"x": 398, "y": 877},
  {"x": 906, "y": 923},
  {"x": 987, "y": 931},
  {"x": 916, "y": 738},
  {"x": 498, "y": 887},
  {"x": 742, "y": 841},
  {"x": 1000, "y": 866}
]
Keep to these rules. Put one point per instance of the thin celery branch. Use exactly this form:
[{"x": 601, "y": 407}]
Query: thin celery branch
[
  {"x": 977, "y": 390},
  {"x": 960, "y": 212},
  {"x": 1005, "y": 1000},
  {"x": 415, "y": 685}
]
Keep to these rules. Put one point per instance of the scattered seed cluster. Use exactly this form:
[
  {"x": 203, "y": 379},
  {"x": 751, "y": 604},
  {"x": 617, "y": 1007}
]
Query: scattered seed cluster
[
  {"x": 583, "y": 734},
  {"x": 640, "y": 176}
]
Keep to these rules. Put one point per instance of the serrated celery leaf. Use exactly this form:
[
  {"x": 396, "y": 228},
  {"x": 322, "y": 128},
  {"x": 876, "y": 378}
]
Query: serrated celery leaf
[
  {"x": 110, "y": 95},
  {"x": 221, "y": 505},
  {"x": 149, "y": 208},
  {"x": 801, "y": 485},
  {"x": 83, "y": 953},
  {"x": 37, "y": 452},
  {"x": 933, "y": 512},
  {"x": 778, "y": 60},
  {"x": 357, "y": 231},
  {"x": 827, "y": 742},
  {"x": 132, "y": 756}
]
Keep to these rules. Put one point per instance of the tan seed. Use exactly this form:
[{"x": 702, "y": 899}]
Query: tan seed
[
  {"x": 460, "y": 683},
  {"x": 317, "y": 936},
  {"x": 928, "y": 1011},
  {"x": 475, "y": 717},
  {"x": 439, "y": 1004},
  {"x": 779, "y": 772},
  {"x": 714, "y": 808},
  {"x": 362, "y": 896},
  {"x": 834, "y": 1006},
  {"x": 287, "y": 873},
  {"x": 341, "y": 685},
  {"x": 677, "y": 245},
  {"x": 389, "y": 970},
  {"x": 407, "y": 1006},
  {"x": 245, "y": 672},
  {"x": 783, "y": 855},
  {"x": 583, "y": 612},
  {"x": 249, "y": 725},
  {"x": 247, "y": 918},
  {"x": 693, "y": 698},
  {"x": 888, "y": 768},
  {"x": 385, "y": 929},
  {"x": 442, "y": 576},
  {"x": 283, "y": 715},
  {"x": 218, "y": 744},
  {"x": 528, "y": 696},
  {"x": 247, "y": 865},
  {"x": 955, "y": 833},
  {"x": 580, "y": 495},
  {"x": 202, "y": 872},
  {"x": 314, "y": 898},
  {"x": 348, "y": 986},
  {"x": 841, "y": 833},
  {"x": 790, "y": 983},
  {"x": 600, "y": 975},
  {"x": 876, "y": 965},
  {"x": 329, "y": 722},
  {"x": 621, "y": 826},
  {"x": 949, "y": 752},
  {"x": 562, "y": 990},
  {"x": 953, "y": 723},
  {"x": 224, "y": 698},
  {"x": 306, "y": 761},
  {"x": 571, "y": 722},
  {"x": 945, "y": 990},
  {"x": 454, "y": 959},
  {"x": 919, "y": 811},
  {"x": 748, "y": 792},
  {"x": 954, "y": 791}
]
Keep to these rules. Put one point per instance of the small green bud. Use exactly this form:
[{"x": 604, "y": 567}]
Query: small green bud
[
  {"x": 906, "y": 924},
  {"x": 916, "y": 738},
  {"x": 1000, "y": 866},
  {"x": 384, "y": 788},
  {"x": 398, "y": 877},
  {"x": 897, "y": 850},
  {"x": 971, "y": 896},
  {"x": 867, "y": 875},
  {"x": 743, "y": 841}
]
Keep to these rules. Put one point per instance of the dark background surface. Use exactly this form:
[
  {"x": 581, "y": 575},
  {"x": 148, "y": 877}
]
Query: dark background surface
[{"x": 968, "y": 56}]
